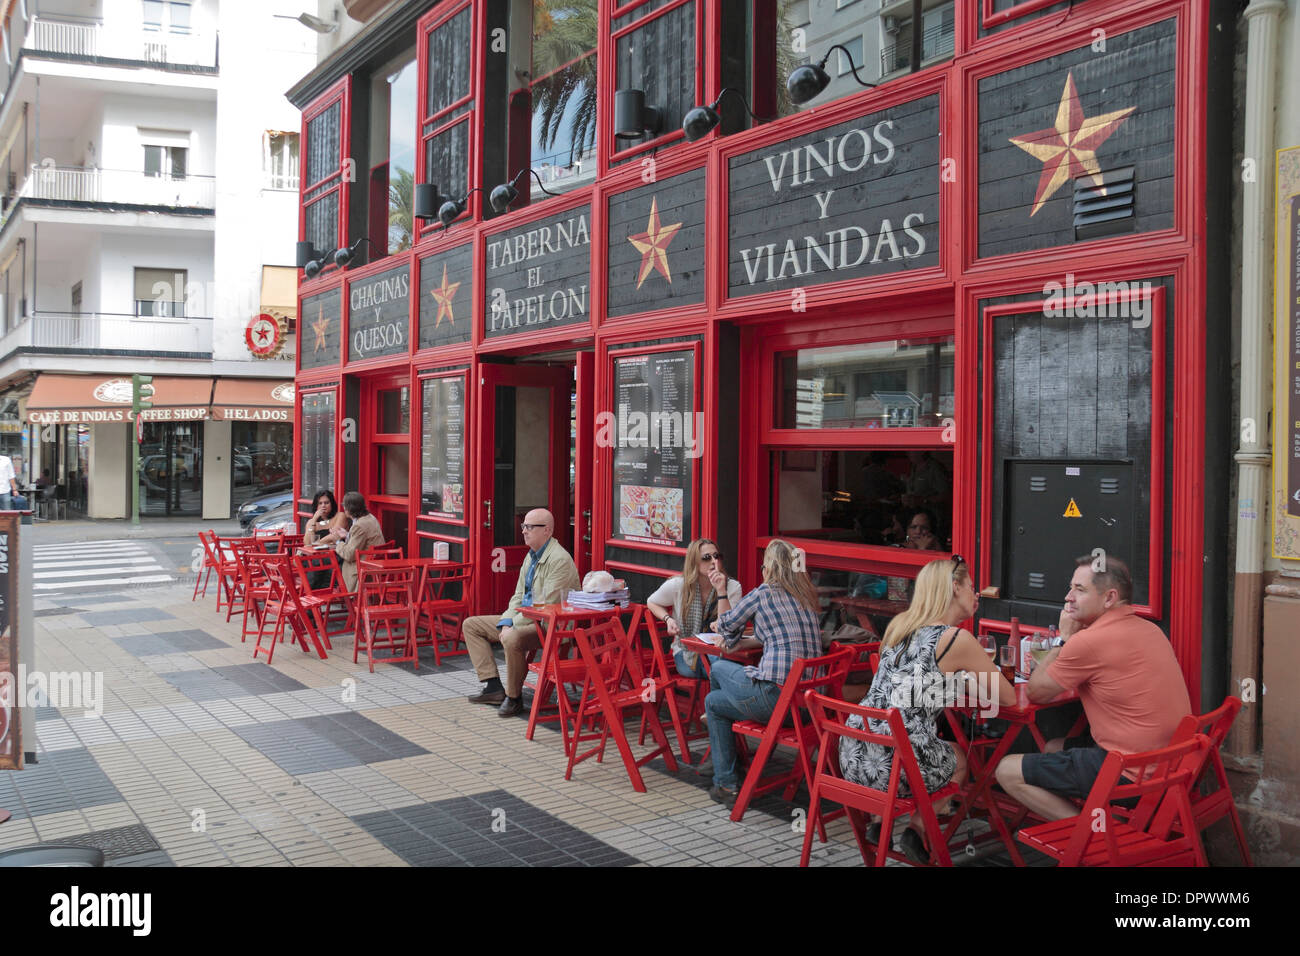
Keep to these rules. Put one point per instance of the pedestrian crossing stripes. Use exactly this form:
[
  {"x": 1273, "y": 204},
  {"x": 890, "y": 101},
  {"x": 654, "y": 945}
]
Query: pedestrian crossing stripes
[{"x": 95, "y": 565}]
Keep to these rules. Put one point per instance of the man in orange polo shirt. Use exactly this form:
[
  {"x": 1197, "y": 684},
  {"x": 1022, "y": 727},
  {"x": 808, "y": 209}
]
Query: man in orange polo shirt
[{"x": 1128, "y": 681}]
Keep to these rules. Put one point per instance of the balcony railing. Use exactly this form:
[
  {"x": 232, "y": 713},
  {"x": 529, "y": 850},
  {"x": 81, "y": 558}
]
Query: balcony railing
[
  {"x": 99, "y": 331},
  {"x": 91, "y": 38},
  {"x": 936, "y": 41},
  {"x": 78, "y": 184}
]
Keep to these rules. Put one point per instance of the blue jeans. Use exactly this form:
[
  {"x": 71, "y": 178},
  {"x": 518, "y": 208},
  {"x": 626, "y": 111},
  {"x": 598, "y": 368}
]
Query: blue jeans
[
  {"x": 7, "y": 501},
  {"x": 699, "y": 672},
  {"x": 734, "y": 695}
]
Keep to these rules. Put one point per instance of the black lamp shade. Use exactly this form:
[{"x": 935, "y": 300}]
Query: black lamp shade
[
  {"x": 699, "y": 122},
  {"x": 806, "y": 82},
  {"x": 312, "y": 269},
  {"x": 449, "y": 212},
  {"x": 303, "y": 254},
  {"x": 425, "y": 201},
  {"x": 342, "y": 256},
  {"x": 503, "y": 196},
  {"x": 629, "y": 108}
]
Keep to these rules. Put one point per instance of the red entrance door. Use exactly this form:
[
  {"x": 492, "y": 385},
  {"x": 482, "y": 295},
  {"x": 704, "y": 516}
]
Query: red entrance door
[
  {"x": 386, "y": 454},
  {"x": 523, "y": 462}
]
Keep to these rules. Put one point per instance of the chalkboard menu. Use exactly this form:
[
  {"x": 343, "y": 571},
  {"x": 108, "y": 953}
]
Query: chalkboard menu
[
  {"x": 442, "y": 448},
  {"x": 316, "y": 438},
  {"x": 656, "y": 245},
  {"x": 11, "y": 745},
  {"x": 446, "y": 296},
  {"x": 853, "y": 200},
  {"x": 657, "y": 437},
  {"x": 318, "y": 329},
  {"x": 379, "y": 317},
  {"x": 537, "y": 275}
]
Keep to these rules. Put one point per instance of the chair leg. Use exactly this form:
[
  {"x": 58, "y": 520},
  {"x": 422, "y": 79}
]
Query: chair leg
[
  {"x": 1240, "y": 833},
  {"x": 753, "y": 776}
]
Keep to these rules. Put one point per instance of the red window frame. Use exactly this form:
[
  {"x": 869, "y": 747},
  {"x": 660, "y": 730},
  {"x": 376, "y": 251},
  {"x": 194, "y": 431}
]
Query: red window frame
[
  {"x": 431, "y": 516},
  {"x": 338, "y": 181},
  {"x": 444, "y": 119},
  {"x": 991, "y": 18},
  {"x": 302, "y": 499},
  {"x": 672, "y": 132}
]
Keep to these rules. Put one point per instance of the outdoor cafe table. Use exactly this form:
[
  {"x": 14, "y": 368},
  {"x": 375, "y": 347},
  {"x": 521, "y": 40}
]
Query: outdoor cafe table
[
  {"x": 864, "y": 607},
  {"x": 1021, "y": 715},
  {"x": 556, "y": 624},
  {"x": 709, "y": 650}
]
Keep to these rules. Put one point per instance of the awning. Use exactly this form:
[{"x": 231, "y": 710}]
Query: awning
[
  {"x": 280, "y": 291},
  {"x": 88, "y": 399},
  {"x": 253, "y": 400}
]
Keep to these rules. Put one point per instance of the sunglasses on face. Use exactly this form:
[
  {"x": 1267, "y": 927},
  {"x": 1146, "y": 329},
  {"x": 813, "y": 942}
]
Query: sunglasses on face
[{"x": 715, "y": 556}]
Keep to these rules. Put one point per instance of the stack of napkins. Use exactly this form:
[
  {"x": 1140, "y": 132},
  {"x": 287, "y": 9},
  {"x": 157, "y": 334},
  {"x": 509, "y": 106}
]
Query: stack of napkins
[{"x": 599, "y": 600}]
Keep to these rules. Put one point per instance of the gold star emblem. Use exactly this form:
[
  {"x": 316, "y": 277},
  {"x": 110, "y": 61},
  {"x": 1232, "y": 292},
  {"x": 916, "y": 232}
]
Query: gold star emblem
[
  {"x": 320, "y": 327},
  {"x": 653, "y": 245},
  {"x": 1068, "y": 150},
  {"x": 443, "y": 295}
]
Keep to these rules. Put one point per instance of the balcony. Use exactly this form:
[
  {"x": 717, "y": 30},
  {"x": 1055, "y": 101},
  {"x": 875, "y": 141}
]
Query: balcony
[
  {"x": 93, "y": 40},
  {"x": 114, "y": 187},
  {"x": 109, "y": 333},
  {"x": 936, "y": 42}
]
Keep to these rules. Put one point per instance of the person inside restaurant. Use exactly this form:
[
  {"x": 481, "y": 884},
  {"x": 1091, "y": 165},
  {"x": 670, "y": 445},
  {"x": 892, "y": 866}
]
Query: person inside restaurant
[
  {"x": 922, "y": 533},
  {"x": 1128, "y": 680},
  {"x": 364, "y": 532},
  {"x": 687, "y": 602},
  {"x": 784, "y": 610},
  {"x": 547, "y": 575},
  {"x": 326, "y": 526},
  {"x": 920, "y": 645}
]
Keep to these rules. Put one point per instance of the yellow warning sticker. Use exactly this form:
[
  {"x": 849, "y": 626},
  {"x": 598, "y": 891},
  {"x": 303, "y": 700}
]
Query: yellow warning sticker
[{"x": 1072, "y": 510}]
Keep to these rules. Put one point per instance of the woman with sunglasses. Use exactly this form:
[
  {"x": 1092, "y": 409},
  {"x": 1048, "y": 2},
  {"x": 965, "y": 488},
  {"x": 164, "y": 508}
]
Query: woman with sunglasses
[
  {"x": 920, "y": 645},
  {"x": 687, "y": 603}
]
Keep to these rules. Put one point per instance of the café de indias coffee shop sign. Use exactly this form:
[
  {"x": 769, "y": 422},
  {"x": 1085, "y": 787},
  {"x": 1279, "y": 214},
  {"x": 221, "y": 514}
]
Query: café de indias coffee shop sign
[
  {"x": 538, "y": 274},
  {"x": 853, "y": 200},
  {"x": 379, "y": 315}
]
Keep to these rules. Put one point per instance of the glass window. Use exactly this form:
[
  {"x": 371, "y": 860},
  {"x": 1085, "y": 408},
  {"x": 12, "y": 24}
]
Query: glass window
[
  {"x": 900, "y": 383},
  {"x": 261, "y": 459},
  {"x": 395, "y": 411},
  {"x": 321, "y": 193},
  {"x": 317, "y": 437},
  {"x": 394, "y": 469},
  {"x": 894, "y": 498},
  {"x": 852, "y": 58},
  {"x": 401, "y": 99},
  {"x": 160, "y": 292},
  {"x": 280, "y": 159},
  {"x": 167, "y": 162},
  {"x": 860, "y": 599},
  {"x": 659, "y": 58},
  {"x": 442, "y": 448}
]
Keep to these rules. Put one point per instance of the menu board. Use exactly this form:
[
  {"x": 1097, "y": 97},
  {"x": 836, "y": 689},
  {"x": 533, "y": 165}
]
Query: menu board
[
  {"x": 316, "y": 439},
  {"x": 442, "y": 448},
  {"x": 11, "y": 695},
  {"x": 657, "y": 440}
]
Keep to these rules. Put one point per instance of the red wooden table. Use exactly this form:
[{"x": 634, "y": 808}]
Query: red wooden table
[
  {"x": 1022, "y": 714},
  {"x": 864, "y": 607},
  {"x": 556, "y": 624},
  {"x": 708, "y": 650}
]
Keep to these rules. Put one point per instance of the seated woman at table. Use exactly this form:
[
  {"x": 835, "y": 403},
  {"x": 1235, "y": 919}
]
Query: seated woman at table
[
  {"x": 326, "y": 526},
  {"x": 919, "y": 645},
  {"x": 687, "y": 602},
  {"x": 363, "y": 533},
  {"x": 784, "y": 610}
]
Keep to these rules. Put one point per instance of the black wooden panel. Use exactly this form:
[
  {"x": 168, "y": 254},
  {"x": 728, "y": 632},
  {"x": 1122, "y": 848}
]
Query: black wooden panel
[
  {"x": 323, "y": 131},
  {"x": 647, "y": 559},
  {"x": 319, "y": 327},
  {"x": 659, "y": 58},
  {"x": 636, "y": 279},
  {"x": 448, "y": 62},
  {"x": 631, "y": 16},
  {"x": 446, "y": 161},
  {"x": 446, "y": 296},
  {"x": 1082, "y": 391},
  {"x": 1136, "y": 71},
  {"x": 321, "y": 224},
  {"x": 538, "y": 275},
  {"x": 882, "y": 214},
  {"x": 1053, "y": 416},
  {"x": 379, "y": 315}
]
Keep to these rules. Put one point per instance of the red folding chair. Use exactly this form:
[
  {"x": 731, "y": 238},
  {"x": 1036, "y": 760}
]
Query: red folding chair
[
  {"x": 284, "y": 603},
  {"x": 1160, "y": 831},
  {"x": 614, "y": 682},
  {"x": 234, "y": 572},
  {"x": 1211, "y": 805},
  {"x": 255, "y": 588},
  {"x": 325, "y": 600},
  {"x": 443, "y": 605},
  {"x": 654, "y": 660},
  {"x": 380, "y": 552},
  {"x": 386, "y": 615},
  {"x": 226, "y": 554},
  {"x": 813, "y": 673},
  {"x": 828, "y": 782},
  {"x": 210, "y": 562}
]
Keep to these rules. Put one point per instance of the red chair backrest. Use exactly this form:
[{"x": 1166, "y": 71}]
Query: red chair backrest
[
  {"x": 268, "y": 543},
  {"x": 381, "y": 552},
  {"x": 1215, "y": 725},
  {"x": 276, "y": 569},
  {"x": 607, "y": 651},
  {"x": 445, "y": 582},
  {"x": 388, "y": 587},
  {"x": 867, "y": 653},
  {"x": 829, "y": 716},
  {"x": 305, "y": 565},
  {"x": 209, "y": 541}
]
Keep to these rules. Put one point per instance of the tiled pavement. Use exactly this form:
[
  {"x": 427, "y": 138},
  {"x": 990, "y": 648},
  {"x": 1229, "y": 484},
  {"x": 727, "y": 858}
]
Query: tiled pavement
[{"x": 203, "y": 756}]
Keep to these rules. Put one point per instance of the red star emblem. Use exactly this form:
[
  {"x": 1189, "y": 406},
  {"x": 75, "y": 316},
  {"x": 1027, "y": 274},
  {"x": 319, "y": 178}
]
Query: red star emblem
[
  {"x": 320, "y": 327},
  {"x": 653, "y": 245},
  {"x": 263, "y": 333},
  {"x": 443, "y": 295},
  {"x": 1068, "y": 149}
]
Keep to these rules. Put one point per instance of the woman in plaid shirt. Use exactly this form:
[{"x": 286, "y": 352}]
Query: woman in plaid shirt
[{"x": 784, "y": 611}]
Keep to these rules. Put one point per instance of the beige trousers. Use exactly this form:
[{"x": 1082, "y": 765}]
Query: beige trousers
[{"x": 481, "y": 633}]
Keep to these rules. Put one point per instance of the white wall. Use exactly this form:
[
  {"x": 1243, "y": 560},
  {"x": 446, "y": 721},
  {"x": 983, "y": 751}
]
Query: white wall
[
  {"x": 216, "y": 470},
  {"x": 122, "y": 146},
  {"x": 107, "y": 485},
  {"x": 120, "y": 255}
]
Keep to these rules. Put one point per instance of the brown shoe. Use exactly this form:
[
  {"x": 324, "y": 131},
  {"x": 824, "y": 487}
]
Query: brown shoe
[
  {"x": 511, "y": 707},
  {"x": 493, "y": 697}
]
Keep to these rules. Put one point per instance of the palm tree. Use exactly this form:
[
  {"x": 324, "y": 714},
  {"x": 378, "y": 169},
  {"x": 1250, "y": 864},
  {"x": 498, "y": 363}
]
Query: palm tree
[
  {"x": 400, "y": 219},
  {"x": 564, "y": 30}
]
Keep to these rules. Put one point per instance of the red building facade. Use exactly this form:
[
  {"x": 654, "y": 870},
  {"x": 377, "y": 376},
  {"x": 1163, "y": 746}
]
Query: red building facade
[{"x": 986, "y": 289}]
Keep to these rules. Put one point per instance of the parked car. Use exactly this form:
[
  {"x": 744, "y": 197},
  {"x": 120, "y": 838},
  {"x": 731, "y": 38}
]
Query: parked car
[
  {"x": 255, "y": 507},
  {"x": 281, "y": 518}
]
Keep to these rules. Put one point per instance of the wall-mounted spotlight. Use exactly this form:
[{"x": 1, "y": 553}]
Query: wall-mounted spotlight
[
  {"x": 426, "y": 201},
  {"x": 452, "y": 208},
  {"x": 808, "y": 81},
  {"x": 344, "y": 255},
  {"x": 632, "y": 118},
  {"x": 303, "y": 254},
  {"x": 502, "y": 196},
  {"x": 701, "y": 120}
]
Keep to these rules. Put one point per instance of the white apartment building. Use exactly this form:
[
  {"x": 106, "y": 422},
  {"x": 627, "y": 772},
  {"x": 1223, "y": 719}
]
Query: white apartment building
[{"x": 149, "y": 173}]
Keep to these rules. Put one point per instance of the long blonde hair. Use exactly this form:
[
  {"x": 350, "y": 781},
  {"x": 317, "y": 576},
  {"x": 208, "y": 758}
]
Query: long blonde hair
[
  {"x": 930, "y": 601},
  {"x": 779, "y": 572},
  {"x": 692, "y": 586}
]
